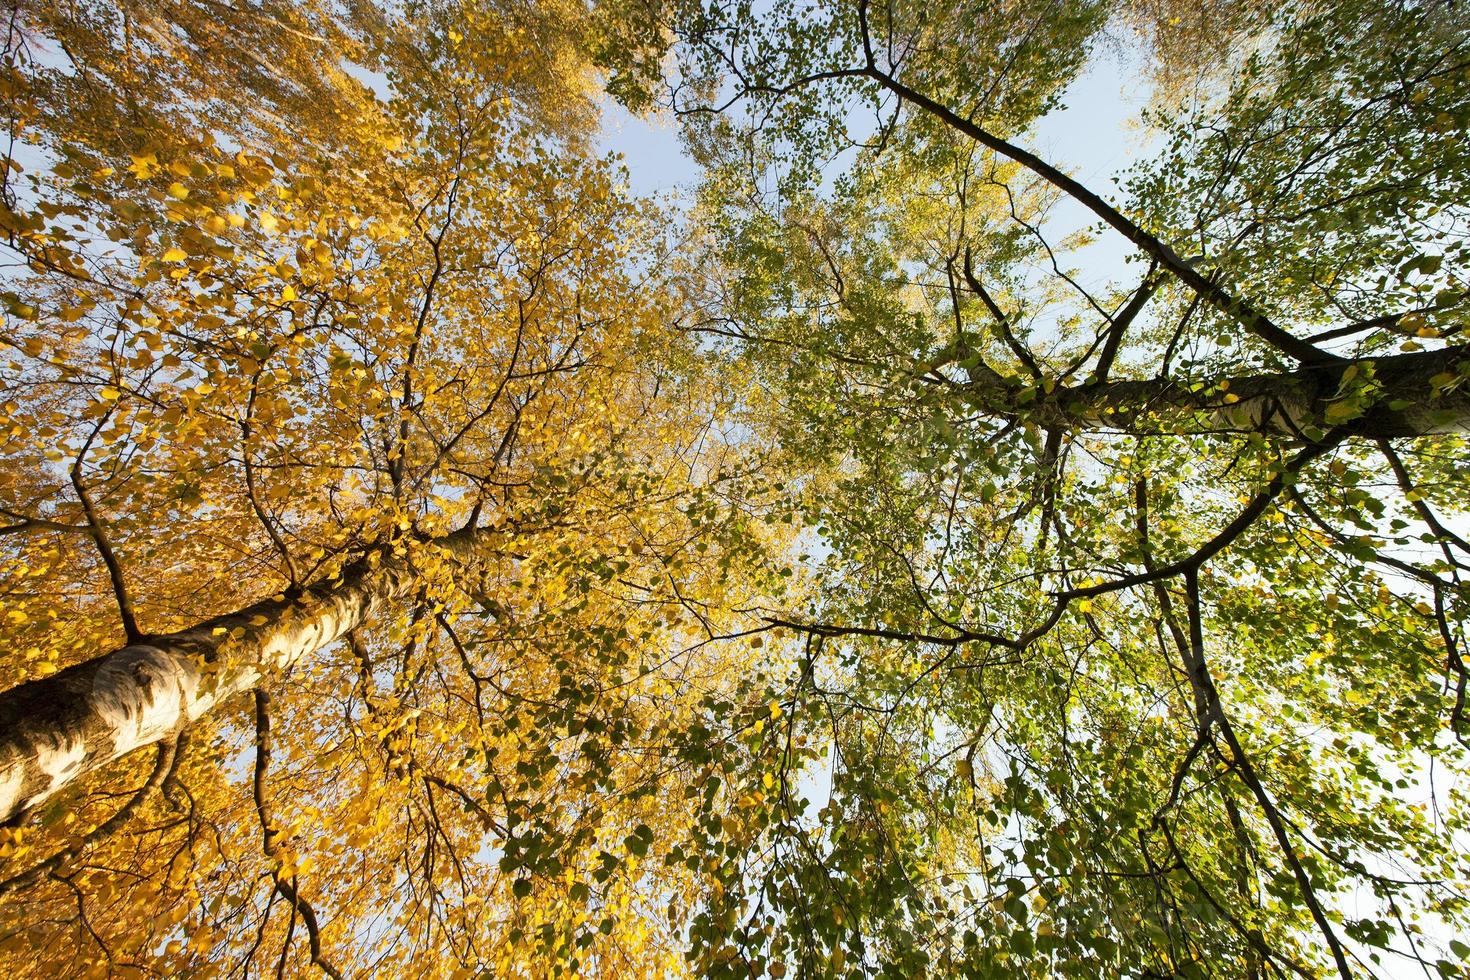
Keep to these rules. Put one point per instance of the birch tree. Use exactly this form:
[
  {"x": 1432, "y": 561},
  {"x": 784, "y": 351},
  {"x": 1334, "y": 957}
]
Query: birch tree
[
  {"x": 364, "y": 522},
  {"x": 1142, "y": 621}
]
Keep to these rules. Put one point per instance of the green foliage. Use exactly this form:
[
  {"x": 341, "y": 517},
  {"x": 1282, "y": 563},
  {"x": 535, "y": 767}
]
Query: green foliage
[{"x": 1135, "y": 640}]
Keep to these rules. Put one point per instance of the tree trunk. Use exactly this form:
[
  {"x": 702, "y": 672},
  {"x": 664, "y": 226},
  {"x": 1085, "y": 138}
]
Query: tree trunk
[
  {"x": 55, "y": 729},
  {"x": 1397, "y": 396}
]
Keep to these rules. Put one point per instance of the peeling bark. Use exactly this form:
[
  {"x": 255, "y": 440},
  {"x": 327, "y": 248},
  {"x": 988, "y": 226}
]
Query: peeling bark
[
  {"x": 55, "y": 729},
  {"x": 1400, "y": 400}
]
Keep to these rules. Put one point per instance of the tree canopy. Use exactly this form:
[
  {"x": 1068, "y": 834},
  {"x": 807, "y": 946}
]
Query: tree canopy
[{"x": 906, "y": 556}]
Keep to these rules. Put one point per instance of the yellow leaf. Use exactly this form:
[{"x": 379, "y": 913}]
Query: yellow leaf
[{"x": 144, "y": 166}]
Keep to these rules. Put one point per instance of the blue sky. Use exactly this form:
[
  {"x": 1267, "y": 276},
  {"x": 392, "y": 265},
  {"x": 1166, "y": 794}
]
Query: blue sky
[{"x": 655, "y": 157}]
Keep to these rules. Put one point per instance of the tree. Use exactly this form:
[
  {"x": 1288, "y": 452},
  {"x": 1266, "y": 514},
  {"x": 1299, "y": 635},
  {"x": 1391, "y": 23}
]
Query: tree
[
  {"x": 1142, "y": 622},
  {"x": 352, "y": 473}
]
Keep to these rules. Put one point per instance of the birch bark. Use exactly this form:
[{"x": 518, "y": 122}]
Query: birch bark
[
  {"x": 57, "y": 728},
  {"x": 1402, "y": 396}
]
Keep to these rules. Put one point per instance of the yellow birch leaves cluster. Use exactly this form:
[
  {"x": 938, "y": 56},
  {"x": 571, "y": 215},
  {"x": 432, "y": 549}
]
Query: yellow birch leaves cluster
[{"x": 289, "y": 288}]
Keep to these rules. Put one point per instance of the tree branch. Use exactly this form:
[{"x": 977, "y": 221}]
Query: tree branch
[{"x": 270, "y": 842}]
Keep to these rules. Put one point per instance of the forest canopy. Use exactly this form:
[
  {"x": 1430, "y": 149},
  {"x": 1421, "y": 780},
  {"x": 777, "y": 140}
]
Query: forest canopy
[{"x": 904, "y": 554}]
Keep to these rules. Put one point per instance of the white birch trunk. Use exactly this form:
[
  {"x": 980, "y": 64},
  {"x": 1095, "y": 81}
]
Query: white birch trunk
[{"x": 55, "y": 729}]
